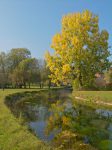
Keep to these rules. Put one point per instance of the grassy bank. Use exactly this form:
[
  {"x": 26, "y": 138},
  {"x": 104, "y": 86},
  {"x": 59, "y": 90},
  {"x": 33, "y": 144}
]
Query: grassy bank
[
  {"x": 105, "y": 96},
  {"x": 14, "y": 136},
  {"x": 95, "y": 98}
]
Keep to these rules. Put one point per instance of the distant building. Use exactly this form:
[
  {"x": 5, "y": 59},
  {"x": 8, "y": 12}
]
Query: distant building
[{"x": 100, "y": 81}]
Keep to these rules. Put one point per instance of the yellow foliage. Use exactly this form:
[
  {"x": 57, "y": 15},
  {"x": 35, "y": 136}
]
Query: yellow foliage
[
  {"x": 75, "y": 40},
  {"x": 66, "y": 68},
  {"x": 66, "y": 121},
  {"x": 77, "y": 48}
]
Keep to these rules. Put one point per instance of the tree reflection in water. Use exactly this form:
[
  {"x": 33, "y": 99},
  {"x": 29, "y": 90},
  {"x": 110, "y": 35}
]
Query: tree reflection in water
[{"x": 65, "y": 123}]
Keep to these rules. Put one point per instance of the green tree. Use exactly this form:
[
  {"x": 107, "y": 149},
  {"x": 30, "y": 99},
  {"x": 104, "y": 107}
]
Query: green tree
[
  {"x": 44, "y": 74},
  {"x": 3, "y": 70},
  {"x": 26, "y": 72},
  {"x": 81, "y": 50},
  {"x": 16, "y": 78},
  {"x": 16, "y": 55}
]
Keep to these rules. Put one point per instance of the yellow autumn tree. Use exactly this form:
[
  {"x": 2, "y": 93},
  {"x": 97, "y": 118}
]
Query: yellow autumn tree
[{"x": 81, "y": 50}]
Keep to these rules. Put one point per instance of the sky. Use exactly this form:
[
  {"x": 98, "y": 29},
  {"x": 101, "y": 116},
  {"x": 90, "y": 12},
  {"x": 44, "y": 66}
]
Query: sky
[{"x": 32, "y": 23}]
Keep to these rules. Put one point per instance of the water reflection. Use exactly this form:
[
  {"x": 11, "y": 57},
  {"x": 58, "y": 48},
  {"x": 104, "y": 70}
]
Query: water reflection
[
  {"x": 53, "y": 115},
  {"x": 104, "y": 113}
]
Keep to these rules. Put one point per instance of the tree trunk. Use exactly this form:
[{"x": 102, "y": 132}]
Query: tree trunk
[
  {"x": 40, "y": 85},
  {"x": 25, "y": 85},
  {"x": 29, "y": 85},
  {"x": 49, "y": 84},
  {"x": 80, "y": 80}
]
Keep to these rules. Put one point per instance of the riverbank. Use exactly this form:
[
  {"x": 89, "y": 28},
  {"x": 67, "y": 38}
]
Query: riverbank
[
  {"x": 14, "y": 136},
  {"x": 103, "y": 98}
]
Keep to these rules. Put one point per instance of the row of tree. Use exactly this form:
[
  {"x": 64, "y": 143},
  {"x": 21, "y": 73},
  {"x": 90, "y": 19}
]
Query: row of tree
[
  {"x": 81, "y": 52},
  {"x": 18, "y": 69}
]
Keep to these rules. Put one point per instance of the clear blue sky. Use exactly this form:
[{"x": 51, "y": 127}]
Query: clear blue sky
[{"x": 32, "y": 23}]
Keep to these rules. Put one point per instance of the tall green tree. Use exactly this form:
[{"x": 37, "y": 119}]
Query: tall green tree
[
  {"x": 14, "y": 58},
  {"x": 44, "y": 74},
  {"x": 26, "y": 72},
  {"x": 3, "y": 70},
  {"x": 16, "y": 55},
  {"x": 81, "y": 50}
]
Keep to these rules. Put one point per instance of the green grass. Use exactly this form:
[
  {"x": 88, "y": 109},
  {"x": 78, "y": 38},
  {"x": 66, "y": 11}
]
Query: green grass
[
  {"x": 14, "y": 136},
  {"x": 105, "y": 96}
]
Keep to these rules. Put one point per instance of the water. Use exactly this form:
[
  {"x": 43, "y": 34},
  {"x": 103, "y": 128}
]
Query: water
[{"x": 93, "y": 126}]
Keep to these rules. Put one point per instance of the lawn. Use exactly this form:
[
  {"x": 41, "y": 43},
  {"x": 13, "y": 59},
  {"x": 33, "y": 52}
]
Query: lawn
[
  {"x": 14, "y": 136},
  {"x": 105, "y": 96}
]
